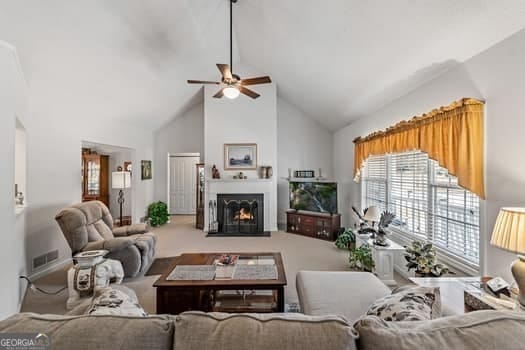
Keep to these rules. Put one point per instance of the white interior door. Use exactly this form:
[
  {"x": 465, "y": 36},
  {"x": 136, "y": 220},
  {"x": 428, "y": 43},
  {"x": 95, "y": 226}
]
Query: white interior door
[{"x": 183, "y": 185}]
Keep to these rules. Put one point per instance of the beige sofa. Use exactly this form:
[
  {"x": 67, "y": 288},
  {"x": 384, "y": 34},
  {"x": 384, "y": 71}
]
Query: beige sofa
[{"x": 195, "y": 330}]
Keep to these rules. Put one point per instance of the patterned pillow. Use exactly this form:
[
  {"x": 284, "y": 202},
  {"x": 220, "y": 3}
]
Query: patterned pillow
[{"x": 408, "y": 303}]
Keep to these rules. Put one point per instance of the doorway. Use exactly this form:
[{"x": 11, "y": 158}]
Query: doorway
[{"x": 183, "y": 183}]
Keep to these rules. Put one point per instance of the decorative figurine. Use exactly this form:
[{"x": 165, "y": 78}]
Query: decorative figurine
[
  {"x": 215, "y": 174},
  {"x": 386, "y": 219}
]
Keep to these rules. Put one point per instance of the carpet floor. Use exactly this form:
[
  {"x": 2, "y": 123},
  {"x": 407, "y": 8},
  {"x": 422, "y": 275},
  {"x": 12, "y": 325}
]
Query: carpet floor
[{"x": 180, "y": 236}]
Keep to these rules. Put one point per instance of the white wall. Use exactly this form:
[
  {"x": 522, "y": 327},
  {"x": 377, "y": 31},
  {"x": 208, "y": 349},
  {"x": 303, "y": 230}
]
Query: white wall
[
  {"x": 184, "y": 134},
  {"x": 242, "y": 120},
  {"x": 12, "y": 103},
  {"x": 496, "y": 75},
  {"x": 302, "y": 144}
]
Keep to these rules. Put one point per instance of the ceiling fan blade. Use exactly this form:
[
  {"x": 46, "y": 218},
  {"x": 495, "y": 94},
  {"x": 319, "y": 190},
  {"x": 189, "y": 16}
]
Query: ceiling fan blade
[
  {"x": 203, "y": 82},
  {"x": 256, "y": 81},
  {"x": 248, "y": 92},
  {"x": 219, "y": 94},
  {"x": 225, "y": 71}
]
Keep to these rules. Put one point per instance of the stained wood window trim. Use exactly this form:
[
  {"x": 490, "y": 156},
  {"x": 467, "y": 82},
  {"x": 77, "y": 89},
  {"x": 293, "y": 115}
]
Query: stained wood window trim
[{"x": 456, "y": 233}]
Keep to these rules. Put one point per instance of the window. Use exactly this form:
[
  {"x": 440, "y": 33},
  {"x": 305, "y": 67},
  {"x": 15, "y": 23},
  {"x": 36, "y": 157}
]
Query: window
[{"x": 427, "y": 201}]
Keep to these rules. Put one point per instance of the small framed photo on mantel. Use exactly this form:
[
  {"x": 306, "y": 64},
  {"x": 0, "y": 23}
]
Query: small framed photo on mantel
[{"x": 240, "y": 156}]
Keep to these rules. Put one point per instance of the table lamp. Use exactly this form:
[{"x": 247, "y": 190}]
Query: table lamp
[
  {"x": 119, "y": 181},
  {"x": 372, "y": 214},
  {"x": 509, "y": 234}
]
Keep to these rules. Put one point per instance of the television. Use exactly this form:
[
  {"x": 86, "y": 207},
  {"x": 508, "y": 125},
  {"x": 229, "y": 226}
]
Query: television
[{"x": 314, "y": 196}]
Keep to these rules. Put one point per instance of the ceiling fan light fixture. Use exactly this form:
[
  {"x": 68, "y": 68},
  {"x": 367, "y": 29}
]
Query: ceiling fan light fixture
[{"x": 231, "y": 92}]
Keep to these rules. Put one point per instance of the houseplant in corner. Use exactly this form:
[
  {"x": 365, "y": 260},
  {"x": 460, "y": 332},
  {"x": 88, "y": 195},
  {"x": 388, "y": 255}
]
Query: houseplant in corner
[
  {"x": 346, "y": 239},
  {"x": 360, "y": 259},
  {"x": 158, "y": 213},
  {"x": 421, "y": 256}
]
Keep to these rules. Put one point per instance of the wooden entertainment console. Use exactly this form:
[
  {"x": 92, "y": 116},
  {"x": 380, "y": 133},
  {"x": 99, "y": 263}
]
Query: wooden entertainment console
[{"x": 316, "y": 225}]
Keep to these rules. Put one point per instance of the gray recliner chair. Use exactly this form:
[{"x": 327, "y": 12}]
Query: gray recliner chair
[{"x": 89, "y": 226}]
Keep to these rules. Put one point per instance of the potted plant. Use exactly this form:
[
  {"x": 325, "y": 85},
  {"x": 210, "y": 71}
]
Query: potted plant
[
  {"x": 360, "y": 259},
  {"x": 158, "y": 213},
  {"x": 421, "y": 256},
  {"x": 346, "y": 239}
]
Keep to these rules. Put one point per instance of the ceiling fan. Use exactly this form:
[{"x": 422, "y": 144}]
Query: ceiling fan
[{"x": 233, "y": 84}]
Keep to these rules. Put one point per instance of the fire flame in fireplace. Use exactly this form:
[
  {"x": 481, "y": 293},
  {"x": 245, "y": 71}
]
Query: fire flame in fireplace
[{"x": 243, "y": 214}]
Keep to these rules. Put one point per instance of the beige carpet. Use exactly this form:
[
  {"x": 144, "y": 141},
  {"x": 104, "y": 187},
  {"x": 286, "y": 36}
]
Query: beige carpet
[{"x": 180, "y": 236}]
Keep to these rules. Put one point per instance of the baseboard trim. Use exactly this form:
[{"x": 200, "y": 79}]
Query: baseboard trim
[{"x": 50, "y": 268}]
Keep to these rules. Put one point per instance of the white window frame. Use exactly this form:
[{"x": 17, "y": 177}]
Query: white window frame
[{"x": 404, "y": 236}]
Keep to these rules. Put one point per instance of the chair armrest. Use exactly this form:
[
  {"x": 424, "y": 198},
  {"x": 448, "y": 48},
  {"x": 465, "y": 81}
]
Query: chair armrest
[
  {"x": 113, "y": 245},
  {"x": 134, "y": 229}
]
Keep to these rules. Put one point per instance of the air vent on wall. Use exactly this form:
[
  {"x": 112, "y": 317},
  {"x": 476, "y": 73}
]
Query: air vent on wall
[{"x": 45, "y": 259}]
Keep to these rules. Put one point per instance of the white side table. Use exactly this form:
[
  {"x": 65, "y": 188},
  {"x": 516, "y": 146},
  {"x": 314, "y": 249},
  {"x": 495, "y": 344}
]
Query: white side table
[{"x": 384, "y": 258}]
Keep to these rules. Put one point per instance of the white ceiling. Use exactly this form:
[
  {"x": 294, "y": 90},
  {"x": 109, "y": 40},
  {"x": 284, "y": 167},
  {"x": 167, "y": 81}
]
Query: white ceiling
[{"x": 337, "y": 60}]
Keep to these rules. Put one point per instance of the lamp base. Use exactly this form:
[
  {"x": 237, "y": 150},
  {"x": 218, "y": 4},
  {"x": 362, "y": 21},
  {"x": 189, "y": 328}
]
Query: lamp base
[{"x": 518, "y": 271}]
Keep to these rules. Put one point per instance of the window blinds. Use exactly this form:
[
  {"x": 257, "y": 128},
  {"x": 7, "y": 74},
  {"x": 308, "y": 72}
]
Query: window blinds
[{"x": 427, "y": 201}]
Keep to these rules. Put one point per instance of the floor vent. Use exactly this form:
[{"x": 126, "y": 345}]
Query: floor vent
[{"x": 45, "y": 259}]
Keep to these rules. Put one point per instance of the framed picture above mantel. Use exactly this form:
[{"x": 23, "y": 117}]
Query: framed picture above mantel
[{"x": 240, "y": 156}]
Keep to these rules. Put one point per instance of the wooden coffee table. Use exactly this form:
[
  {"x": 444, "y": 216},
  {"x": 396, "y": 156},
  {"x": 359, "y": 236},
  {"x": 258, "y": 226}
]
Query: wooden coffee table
[{"x": 222, "y": 295}]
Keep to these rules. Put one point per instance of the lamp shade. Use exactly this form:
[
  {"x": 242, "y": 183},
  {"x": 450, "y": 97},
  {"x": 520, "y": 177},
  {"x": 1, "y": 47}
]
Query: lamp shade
[
  {"x": 509, "y": 230},
  {"x": 120, "y": 180},
  {"x": 372, "y": 214}
]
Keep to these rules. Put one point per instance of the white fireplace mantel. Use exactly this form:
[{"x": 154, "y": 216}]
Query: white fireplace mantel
[{"x": 268, "y": 187}]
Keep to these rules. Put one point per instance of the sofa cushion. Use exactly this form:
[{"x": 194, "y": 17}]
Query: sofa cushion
[
  {"x": 338, "y": 293},
  {"x": 96, "y": 332},
  {"x": 408, "y": 304},
  {"x": 109, "y": 301},
  {"x": 197, "y": 331},
  {"x": 475, "y": 330}
]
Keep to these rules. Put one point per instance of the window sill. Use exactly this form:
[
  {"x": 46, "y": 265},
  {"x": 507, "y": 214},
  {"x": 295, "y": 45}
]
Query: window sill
[{"x": 456, "y": 263}]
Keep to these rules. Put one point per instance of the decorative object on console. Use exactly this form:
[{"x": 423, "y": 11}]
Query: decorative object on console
[
  {"x": 363, "y": 224},
  {"x": 120, "y": 180},
  {"x": 408, "y": 303},
  {"x": 158, "y": 213},
  {"x": 240, "y": 176},
  {"x": 346, "y": 239},
  {"x": 266, "y": 172},
  {"x": 360, "y": 259},
  {"x": 145, "y": 166},
  {"x": 240, "y": 156},
  {"x": 304, "y": 174},
  {"x": 385, "y": 220},
  {"x": 509, "y": 234},
  {"x": 128, "y": 167},
  {"x": 421, "y": 256},
  {"x": 215, "y": 174}
]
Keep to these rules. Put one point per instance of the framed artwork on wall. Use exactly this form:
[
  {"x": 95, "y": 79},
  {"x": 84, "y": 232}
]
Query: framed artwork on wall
[
  {"x": 145, "y": 167},
  {"x": 240, "y": 156}
]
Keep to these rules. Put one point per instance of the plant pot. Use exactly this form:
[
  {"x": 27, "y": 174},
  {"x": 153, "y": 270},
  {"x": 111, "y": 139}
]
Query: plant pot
[
  {"x": 351, "y": 246},
  {"x": 420, "y": 274}
]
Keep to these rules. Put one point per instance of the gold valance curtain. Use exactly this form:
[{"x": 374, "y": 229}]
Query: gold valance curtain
[{"x": 451, "y": 135}]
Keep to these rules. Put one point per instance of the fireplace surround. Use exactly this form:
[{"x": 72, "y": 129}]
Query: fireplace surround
[{"x": 240, "y": 214}]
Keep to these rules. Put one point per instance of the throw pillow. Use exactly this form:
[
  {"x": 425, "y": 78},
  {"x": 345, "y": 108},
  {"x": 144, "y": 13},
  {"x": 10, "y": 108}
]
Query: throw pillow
[
  {"x": 108, "y": 301},
  {"x": 408, "y": 304}
]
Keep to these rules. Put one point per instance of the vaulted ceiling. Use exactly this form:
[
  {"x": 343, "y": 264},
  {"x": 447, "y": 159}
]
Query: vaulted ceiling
[{"x": 337, "y": 60}]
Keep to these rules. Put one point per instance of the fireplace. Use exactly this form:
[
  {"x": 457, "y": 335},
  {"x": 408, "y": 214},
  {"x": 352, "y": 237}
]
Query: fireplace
[{"x": 240, "y": 214}]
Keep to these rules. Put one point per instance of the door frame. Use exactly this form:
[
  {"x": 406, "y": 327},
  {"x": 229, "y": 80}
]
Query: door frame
[{"x": 168, "y": 178}]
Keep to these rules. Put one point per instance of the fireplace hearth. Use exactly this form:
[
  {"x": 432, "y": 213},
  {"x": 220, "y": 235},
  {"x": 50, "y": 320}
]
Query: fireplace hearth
[{"x": 240, "y": 214}]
